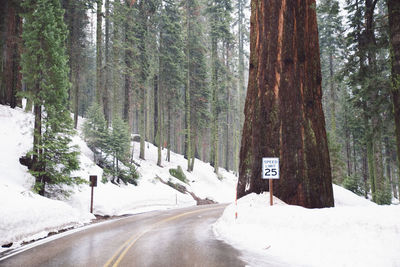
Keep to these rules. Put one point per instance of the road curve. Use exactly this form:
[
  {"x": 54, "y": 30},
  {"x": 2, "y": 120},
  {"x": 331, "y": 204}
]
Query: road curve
[{"x": 181, "y": 237}]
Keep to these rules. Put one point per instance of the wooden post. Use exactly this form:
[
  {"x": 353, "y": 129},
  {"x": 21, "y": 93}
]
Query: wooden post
[
  {"x": 271, "y": 192},
  {"x": 91, "y": 201},
  {"x": 93, "y": 183}
]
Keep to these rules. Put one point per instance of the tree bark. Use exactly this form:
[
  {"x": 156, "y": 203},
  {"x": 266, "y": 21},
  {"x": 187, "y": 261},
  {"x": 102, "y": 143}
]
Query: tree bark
[
  {"x": 155, "y": 119},
  {"x": 394, "y": 32},
  {"x": 283, "y": 110},
  {"x": 12, "y": 53},
  {"x": 99, "y": 53},
  {"x": 107, "y": 70}
]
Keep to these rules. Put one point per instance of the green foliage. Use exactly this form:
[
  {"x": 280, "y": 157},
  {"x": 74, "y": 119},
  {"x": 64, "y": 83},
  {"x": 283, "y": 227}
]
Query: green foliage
[
  {"x": 179, "y": 174},
  {"x": 354, "y": 184},
  {"x": 114, "y": 143},
  {"x": 45, "y": 69},
  {"x": 384, "y": 197},
  {"x": 95, "y": 128},
  {"x": 171, "y": 54},
  {"x": 118, "y": 142},
  {"x": 337, "y": 164}
]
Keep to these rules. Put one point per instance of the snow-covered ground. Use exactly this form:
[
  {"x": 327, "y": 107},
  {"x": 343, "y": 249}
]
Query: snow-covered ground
[
  {"x": 25, "y": 215},
  {"x": 356, "y": 232}
]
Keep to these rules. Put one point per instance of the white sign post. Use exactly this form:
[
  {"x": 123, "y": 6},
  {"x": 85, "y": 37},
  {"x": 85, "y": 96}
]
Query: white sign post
[{"x": 270, "y": 170}]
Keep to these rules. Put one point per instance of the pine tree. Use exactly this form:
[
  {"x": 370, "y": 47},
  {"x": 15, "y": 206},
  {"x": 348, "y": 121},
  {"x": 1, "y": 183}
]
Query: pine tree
[
  {"x": 76, "y": 19},
  {"x": 171, "y": 59},
  {"x": 368, "y": 71},
  {"x": 118, "y": 146},
  {"x": 394, "y": 30},
  {"x": 197, "y": 93},
  {"x": 219, "y": 14},
  {"x": 45, "y": 69},
  {"x": 331, "y": 44},
  {"x": 95, "y": 130}
]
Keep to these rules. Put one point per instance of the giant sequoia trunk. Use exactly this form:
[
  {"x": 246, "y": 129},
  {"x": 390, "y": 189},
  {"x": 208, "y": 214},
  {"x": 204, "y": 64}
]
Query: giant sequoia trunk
[
  {"x": 394, "y": 27},
  {"x": 283, "y": 112}
]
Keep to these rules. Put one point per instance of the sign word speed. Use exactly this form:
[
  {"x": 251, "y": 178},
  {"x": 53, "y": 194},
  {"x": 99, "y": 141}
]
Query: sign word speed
[{"x": 270, "y": 168}]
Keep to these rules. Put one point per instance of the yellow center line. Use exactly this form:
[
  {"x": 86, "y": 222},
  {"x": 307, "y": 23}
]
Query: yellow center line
[{"x": 132, "y": 240}]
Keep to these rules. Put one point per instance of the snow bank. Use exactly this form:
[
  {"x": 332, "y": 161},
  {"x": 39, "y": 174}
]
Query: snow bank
[
  {"x": 353, "y": 234},
  {"x": 344, "y": 197},
  {"x": 26, "y": 216}
]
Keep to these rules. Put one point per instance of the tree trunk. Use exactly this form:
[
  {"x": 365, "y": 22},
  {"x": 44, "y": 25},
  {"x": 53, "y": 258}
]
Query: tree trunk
[
  {"x": 283, "y": 111},
  {"x": 76, "y": 96},
  {"x": 141, "y": 122},
  {"x": 394, "y": 31},
  {"x": 107, "y": 71},
  {"x": 169, "y": 132},
  {"x": 12, "y": 51},
  {"x": 159, "y": 125},
  {"x": 37, "y": 140},
  {"x": 99, "y": 54},
  {"x": 365, "y": 172},
  {"x": 155, "y": 109},
  {"x": 214, "y": 106},
  {"x": 388, "y": 160}
]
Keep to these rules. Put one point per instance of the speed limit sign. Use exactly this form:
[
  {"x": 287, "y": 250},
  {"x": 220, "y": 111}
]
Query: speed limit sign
[{"x": 270, "y": 168}]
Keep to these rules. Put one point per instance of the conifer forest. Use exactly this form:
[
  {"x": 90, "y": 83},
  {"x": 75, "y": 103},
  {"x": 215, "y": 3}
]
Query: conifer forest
[{"x": 224, "y": 81}]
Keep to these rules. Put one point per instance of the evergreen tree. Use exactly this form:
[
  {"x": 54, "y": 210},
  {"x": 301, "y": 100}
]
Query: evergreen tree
[
  {"x": 171, "y": 58},
  {"x": 367, "y": 70},
  {"x": 219, "y": 14},
  {"x": 45, "y": 69},
  {"x": 394, "y": 30},
  {"x": 197, "y": 86},
  {"x": 118, "y": 144},
  {"x": 95, "y": 130},
  {"x": 331, "y": 44}
]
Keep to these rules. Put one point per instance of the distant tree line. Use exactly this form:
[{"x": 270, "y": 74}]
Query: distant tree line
[{"x": 174, "y": 71}]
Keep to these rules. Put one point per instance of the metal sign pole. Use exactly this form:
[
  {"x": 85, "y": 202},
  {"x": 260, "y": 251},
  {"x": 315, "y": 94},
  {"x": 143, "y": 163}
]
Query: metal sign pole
[{"x": 91, "y": 201}]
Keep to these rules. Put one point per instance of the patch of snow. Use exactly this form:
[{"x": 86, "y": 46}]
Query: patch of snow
[{"x": 354, "y": 233}]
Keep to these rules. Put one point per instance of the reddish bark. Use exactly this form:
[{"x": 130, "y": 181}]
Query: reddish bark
[
  {"x": 12, "y": 75},
  {"x": 283, "y": 111}
]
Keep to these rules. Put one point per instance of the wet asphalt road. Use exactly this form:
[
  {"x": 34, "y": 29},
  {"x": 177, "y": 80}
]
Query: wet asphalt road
[{"x": 181, "y": 237}]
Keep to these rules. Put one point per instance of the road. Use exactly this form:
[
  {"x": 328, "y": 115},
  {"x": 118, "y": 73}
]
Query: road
[{"x": 181, "y": 237}]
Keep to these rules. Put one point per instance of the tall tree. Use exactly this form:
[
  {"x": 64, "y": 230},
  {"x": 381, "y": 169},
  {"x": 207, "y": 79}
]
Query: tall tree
[
  {"x": 331, "y": 44},
  {"x": 283, "y": 112},
  {"x": 171, "y": 59},
  {"x": 10, "y": 78},
  {"x": 99, "y": 52},
  {"x": 45, "y": 69},
  {"x": 76, "y": 19},
  {"x": 219, "y": 13},
  {"x": 197, "y": 93},
  {"x": 394, "y": 32}
]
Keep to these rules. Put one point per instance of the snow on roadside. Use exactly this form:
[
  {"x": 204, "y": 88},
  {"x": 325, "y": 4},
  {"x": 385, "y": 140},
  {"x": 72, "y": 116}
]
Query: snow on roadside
[
  {"x": 354, "y": 233},
  {"x": 26, "y": 216}
]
